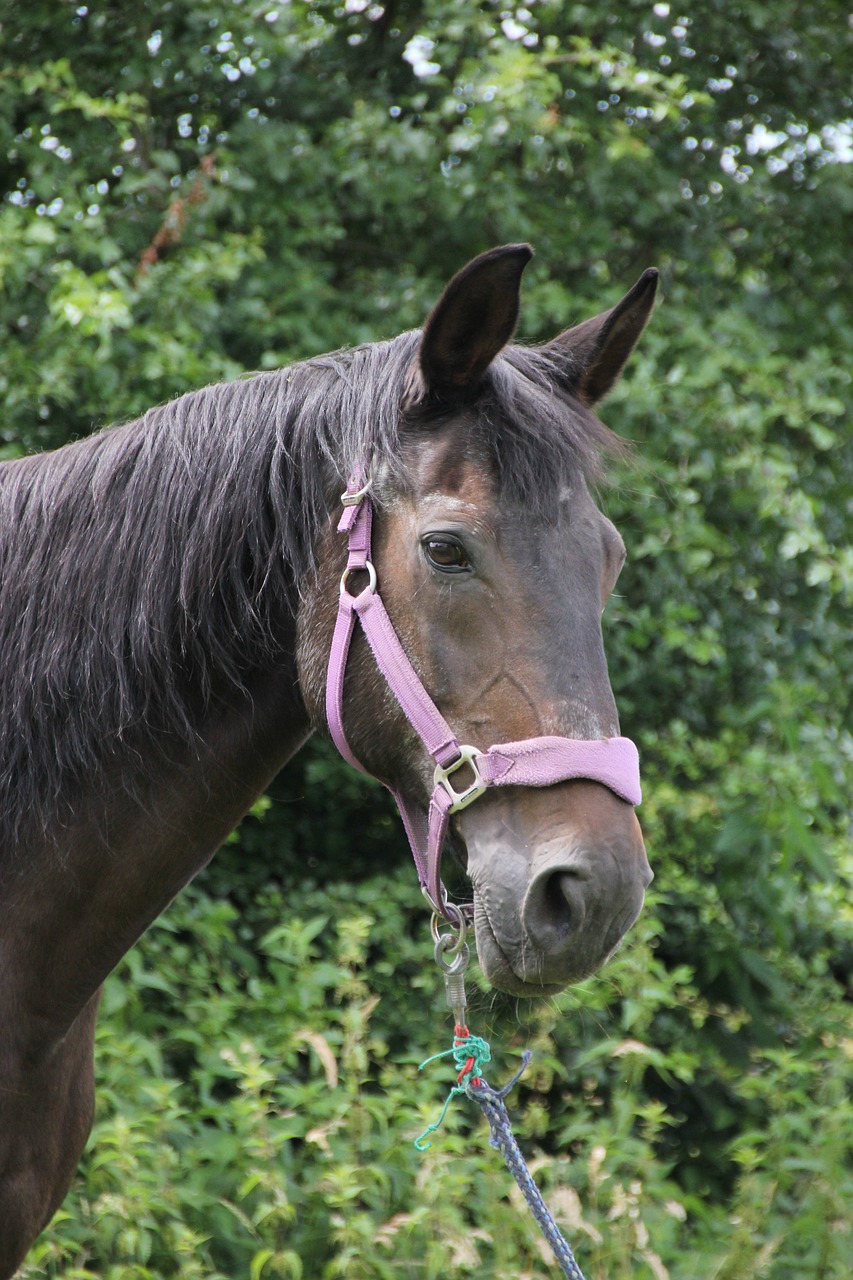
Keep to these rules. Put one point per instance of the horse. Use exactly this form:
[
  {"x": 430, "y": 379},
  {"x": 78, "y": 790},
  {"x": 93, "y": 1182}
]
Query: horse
[{"x": 171, "y": 594}]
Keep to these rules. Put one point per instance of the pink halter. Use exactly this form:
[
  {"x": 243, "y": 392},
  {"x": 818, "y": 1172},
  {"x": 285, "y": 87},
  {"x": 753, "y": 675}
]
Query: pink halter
[{"x": 535, "y": 762}]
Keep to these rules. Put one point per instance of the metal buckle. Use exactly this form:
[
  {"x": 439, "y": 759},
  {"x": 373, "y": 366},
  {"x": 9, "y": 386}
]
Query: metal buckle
[
  {"x": 353, "y": 499},
  {"x": 442, "y": 776}
]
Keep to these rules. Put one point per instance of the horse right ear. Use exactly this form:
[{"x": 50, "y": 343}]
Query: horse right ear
[
  {"x": 470, "y": 324},
  {"x": 594, "y": 353}
]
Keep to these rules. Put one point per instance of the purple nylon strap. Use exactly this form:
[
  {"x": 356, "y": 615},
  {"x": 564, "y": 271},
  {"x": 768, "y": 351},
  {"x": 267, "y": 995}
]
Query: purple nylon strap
[{"x": 534, "y": 762}]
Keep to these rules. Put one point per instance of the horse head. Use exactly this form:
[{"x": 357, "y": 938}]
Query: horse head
[{"x": 495, "y": 565}]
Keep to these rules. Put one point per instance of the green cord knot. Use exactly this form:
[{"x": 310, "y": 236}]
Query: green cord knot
[{"x": 469, "y": 1053}]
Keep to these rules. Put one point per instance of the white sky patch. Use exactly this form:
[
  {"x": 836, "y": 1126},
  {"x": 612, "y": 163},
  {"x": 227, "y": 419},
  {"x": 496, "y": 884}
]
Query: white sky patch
[
  {"x": 417, "y": 54},
  {"x": 763, "y": 139},
  {"x": 513, "y": 30},
  {"x": 838, "y": 140},
  {"x": 833, "y": 144}
]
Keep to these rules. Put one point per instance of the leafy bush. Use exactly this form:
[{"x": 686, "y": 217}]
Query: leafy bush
[{"x": 259, "y": 1096}]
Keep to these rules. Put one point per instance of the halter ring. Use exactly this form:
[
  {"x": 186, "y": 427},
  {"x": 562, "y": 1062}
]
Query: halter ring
[
  {"x": 449, "y": 944},
  {"x": 357, "y": 568},
  {"x": 459, "y": 915}
]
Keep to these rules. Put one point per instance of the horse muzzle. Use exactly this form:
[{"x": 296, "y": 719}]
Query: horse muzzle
[{"x": 559, "y": 877}]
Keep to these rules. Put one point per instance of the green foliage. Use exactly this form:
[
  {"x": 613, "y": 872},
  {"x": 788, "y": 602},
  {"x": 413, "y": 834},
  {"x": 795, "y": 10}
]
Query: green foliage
[
  {"x": 259, "y": 1096},
  {"x": 190, "y": 190}
]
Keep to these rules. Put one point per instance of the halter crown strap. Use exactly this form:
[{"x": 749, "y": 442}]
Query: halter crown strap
[{"x": 533, "y": 762}]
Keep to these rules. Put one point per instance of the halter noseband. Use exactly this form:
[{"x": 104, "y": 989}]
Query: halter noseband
[{"x": 533, "y": 762}]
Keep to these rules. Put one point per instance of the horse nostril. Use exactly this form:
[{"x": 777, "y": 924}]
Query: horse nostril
[
  {"x": 576, "y": 911},
  {"x": 554, "y": 908}
]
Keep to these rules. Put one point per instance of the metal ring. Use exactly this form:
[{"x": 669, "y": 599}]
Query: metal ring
[
  {"x": 448, "y": 943},
  {"x": 357, "y": 568},
  {"x": 438, "y": 919},
  {"x": 458, "y": 962},
  {"x": 453, "y": 912}
]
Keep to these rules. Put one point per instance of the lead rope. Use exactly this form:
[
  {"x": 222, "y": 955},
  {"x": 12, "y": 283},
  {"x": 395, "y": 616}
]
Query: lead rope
[
  {"x": 503, "y": 1139},
  {"x": 469, "y": 1054}
]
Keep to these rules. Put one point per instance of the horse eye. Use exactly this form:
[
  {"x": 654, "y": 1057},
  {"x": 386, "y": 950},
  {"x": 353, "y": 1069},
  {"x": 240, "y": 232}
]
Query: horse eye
[{"x": 446, "y": 554}]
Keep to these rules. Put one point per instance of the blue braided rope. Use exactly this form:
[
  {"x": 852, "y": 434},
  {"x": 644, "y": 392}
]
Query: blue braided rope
[
  {"x": 469, "y": 1053},
  {"x": 502, "y": 1139}
]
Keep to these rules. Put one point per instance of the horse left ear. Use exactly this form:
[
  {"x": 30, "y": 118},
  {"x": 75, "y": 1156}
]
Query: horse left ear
[
  {"x": 598, "y": 348},
  {"x": 470, "y": 324}
]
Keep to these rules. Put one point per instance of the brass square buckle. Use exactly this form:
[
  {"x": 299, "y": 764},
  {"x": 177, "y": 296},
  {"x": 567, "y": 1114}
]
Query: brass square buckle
[{"x": 442, "y": 776}]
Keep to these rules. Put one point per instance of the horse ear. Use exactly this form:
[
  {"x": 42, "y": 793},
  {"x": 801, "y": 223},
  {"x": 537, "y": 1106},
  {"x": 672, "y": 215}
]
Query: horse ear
[
  {"x": 472, "y": 321},
  {"x": 598, "y": 348}
]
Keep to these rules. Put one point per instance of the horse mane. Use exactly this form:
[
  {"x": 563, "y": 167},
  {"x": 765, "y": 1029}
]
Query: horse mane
[{"x": 143, "y": 567}]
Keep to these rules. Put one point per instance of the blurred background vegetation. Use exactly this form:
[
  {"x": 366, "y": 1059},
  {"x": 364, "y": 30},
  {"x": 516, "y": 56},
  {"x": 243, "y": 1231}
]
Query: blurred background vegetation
[{"x": 194, "y": 188}]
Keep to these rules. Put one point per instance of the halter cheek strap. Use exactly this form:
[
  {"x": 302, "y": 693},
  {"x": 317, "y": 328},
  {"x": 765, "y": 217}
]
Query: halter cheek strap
[{"x": 534, "y": 762}]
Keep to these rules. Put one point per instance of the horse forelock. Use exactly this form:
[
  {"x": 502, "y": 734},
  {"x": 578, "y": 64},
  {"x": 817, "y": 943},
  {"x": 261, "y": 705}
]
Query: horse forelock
[
  {"x": 143, "y": 567},
  {"x": 543, "y": 438}
]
